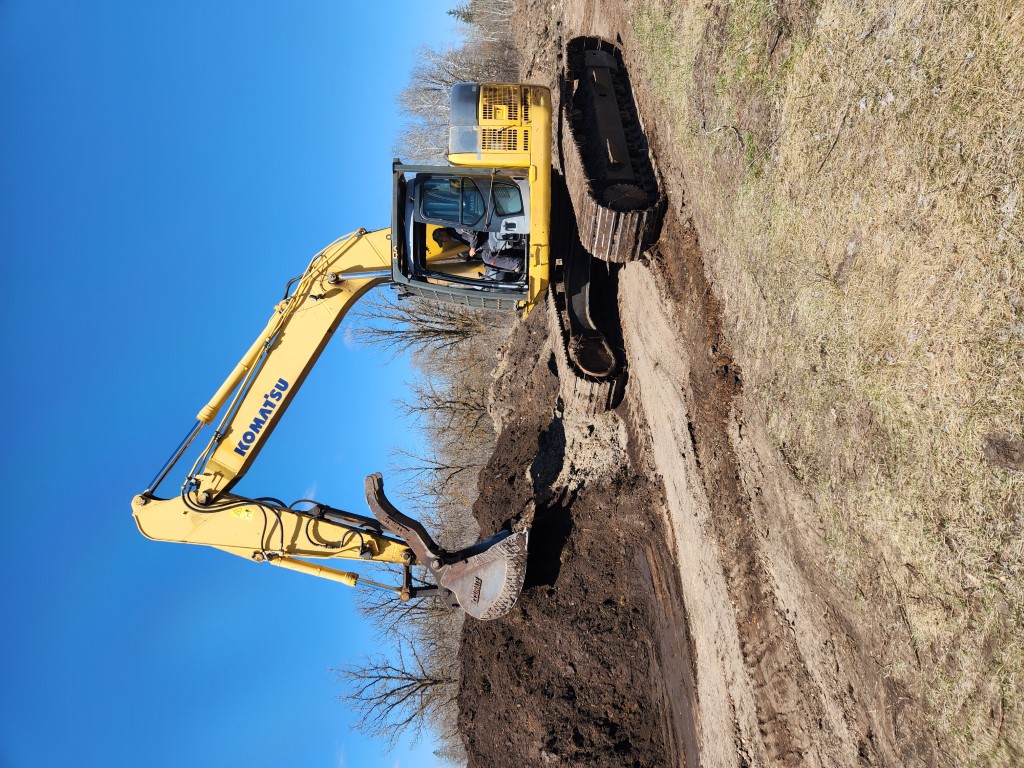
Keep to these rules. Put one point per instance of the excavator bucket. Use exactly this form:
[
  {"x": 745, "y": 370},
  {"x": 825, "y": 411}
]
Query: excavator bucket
[
  {"x": 487, "y": 583},
  {"x": 485, "y": 578}
]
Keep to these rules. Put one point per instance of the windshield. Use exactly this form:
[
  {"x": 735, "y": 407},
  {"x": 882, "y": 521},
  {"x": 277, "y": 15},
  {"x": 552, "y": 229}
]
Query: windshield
[{"x": 453, "y": 200}]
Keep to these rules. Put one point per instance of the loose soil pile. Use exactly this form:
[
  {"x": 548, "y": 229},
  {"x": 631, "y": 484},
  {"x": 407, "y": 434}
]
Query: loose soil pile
[{"x": 574, "y": 674}]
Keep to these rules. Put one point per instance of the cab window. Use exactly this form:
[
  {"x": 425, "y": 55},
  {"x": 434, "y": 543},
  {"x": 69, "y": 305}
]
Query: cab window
[
  {"x": 508, "y": 201},
  {"x": 472, "y": 202},
  {"x": 452, "y": 200}
]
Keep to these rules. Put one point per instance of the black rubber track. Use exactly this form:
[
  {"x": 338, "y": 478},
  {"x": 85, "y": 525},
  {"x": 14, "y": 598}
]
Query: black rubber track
[{"x": 608, "y": 168}]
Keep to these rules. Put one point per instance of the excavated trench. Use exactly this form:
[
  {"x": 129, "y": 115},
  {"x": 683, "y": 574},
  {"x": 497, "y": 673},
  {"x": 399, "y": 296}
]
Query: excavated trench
[
  {"x": 594, "y": 666},
  {"x": 575, "y": 673},
  {"x": 596, "y": 644}
]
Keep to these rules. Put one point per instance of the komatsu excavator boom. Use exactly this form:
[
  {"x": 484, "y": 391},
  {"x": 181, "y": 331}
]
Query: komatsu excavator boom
[
  {"x": 498, "y": 185},
  {"x": 485, "y": 579}
]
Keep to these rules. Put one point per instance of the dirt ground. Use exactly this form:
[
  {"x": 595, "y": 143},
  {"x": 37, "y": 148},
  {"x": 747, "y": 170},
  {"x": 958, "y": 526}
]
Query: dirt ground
[{"x": 678, "y": 608}]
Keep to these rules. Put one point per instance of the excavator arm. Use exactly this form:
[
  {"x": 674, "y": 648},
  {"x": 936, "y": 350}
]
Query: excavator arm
[
  {"x": 272, "y": 370},
  {"x": 484, "y": 579}
]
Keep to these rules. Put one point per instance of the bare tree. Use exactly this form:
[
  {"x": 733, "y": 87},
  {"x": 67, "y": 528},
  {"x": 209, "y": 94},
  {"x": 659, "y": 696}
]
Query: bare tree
[
  {"x": 453, "y": 347},
  {"x": 486, "y": 19},
  {"x": 476, "y": 61},
  {"x": 437, "y": 470},
  {"x": 447, "y": 409},
  {"x": 396, "y": 696},
  {"x": 488, "y": 54},
  {"x": 415, "y": 618},
  {"x": 413, "y": 325}
]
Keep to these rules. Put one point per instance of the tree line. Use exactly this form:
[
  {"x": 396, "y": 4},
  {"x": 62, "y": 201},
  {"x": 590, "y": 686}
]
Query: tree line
[
  {"x": 487, "y": 53},
  {"x": 414, "y": 685}
]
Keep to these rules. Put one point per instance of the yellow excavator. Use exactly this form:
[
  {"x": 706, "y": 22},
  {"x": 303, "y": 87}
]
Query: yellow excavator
[
  {"x": 498, "y": 191},
  {"x": 498, "y": 183}
]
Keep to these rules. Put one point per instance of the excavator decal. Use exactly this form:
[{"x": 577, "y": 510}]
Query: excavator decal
[{"x": 269, "y": 404}]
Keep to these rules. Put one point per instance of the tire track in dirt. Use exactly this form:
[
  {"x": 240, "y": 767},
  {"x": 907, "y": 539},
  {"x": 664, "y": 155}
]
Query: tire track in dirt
[{"x": 759, "y": 700}]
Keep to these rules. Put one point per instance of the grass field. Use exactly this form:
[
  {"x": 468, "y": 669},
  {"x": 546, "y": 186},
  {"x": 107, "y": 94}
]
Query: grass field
[{"x": 856, "y": 173}]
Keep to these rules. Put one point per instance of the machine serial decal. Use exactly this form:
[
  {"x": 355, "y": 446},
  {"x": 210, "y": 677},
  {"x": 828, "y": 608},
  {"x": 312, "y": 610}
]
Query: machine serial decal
[{"x": 270, "y": 402}]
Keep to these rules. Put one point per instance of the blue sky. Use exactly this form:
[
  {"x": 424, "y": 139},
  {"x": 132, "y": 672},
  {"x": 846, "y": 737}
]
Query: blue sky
[{"x": 164, "y": 169}]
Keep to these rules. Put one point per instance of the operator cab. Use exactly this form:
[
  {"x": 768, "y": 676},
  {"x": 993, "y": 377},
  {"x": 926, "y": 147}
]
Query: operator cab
[{"x": 485, "y": 205}]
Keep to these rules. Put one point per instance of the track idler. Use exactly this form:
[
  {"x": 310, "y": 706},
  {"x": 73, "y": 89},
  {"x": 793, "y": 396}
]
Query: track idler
[{"x": 484, "y": 579}]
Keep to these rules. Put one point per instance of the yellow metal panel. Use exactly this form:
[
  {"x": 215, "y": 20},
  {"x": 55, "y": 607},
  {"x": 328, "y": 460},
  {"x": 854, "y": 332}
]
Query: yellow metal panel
[
  {"x": 321, "y": 571},
  {"x": 254, "y": 531},
  {"x": 297, "y": 332},
  {"x": 539, "y": 100},
  {"x": 481, "y": 159},
  {"x": 515, "y": 134}
]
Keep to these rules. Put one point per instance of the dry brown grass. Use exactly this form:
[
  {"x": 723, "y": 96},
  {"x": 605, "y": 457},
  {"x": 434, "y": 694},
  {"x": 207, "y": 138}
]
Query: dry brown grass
[{"x": 857, "y": 171}]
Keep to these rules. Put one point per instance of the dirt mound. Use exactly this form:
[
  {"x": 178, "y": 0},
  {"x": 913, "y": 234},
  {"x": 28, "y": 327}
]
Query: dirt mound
[{"x": 573, "y": 674}]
